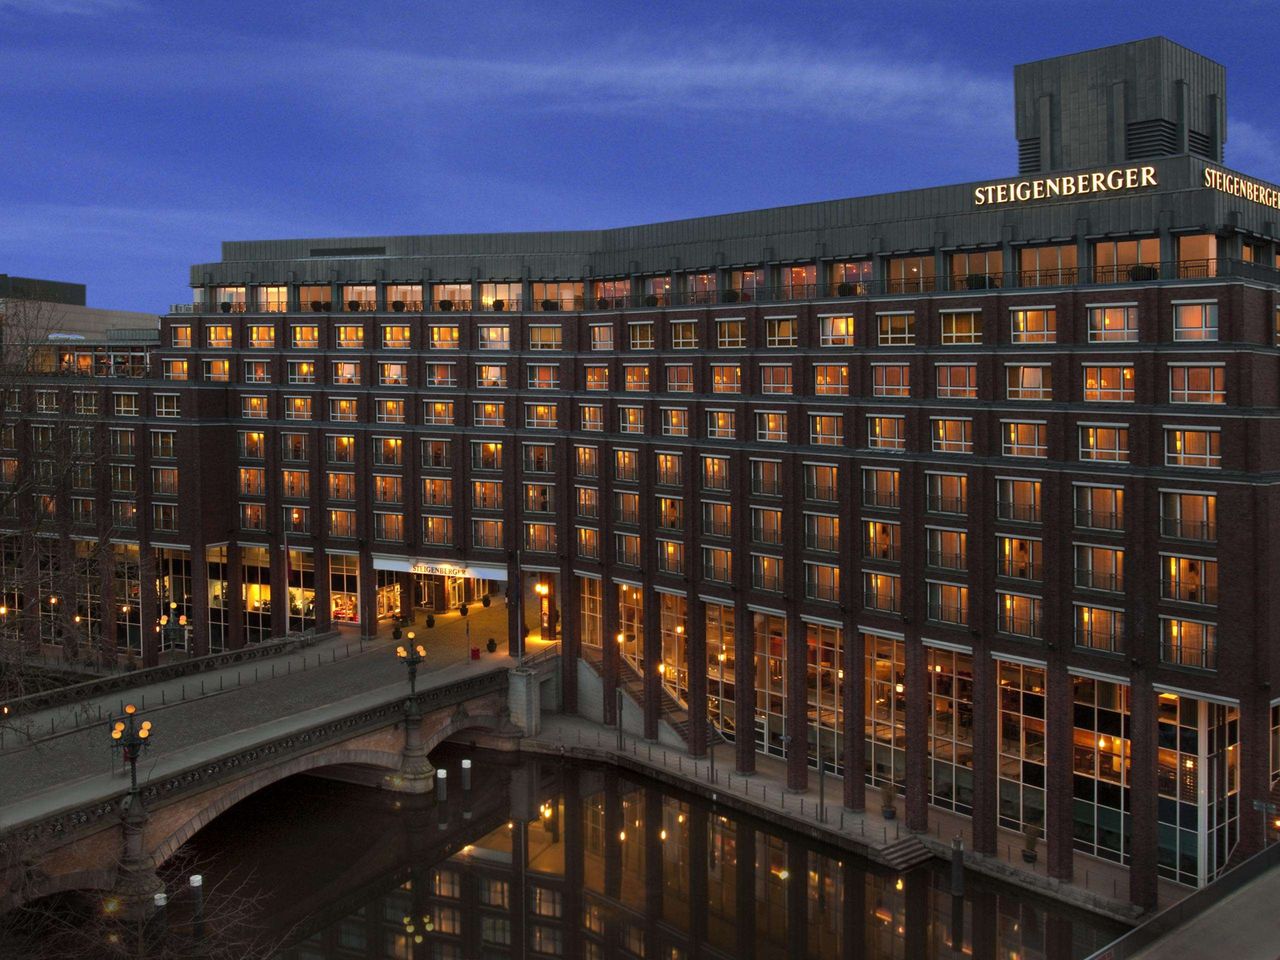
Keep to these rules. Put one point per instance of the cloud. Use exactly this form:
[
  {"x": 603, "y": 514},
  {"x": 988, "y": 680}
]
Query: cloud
[{"x": 80, "y": 8}]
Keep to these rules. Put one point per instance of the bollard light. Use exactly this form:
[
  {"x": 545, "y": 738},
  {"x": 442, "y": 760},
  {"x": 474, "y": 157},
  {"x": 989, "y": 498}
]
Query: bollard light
[{"x": 466, "y": 774}]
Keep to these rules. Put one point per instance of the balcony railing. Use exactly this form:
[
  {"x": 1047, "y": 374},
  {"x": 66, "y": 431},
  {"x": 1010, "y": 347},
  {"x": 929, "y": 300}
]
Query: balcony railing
[
  {"x": 1099, "y": 519},
  {"x": 880, "y": 499},
  {"x": 874, "y": 550},
  {"x": 1189, "y": 529},
  {"x": 1019, "y": 626},
  {"x": 824, "y": 542},
  {"x": 1204, "y": 593},
  {"x": 1018, "y": 569},
  {"x": 948, "y": 613},
  {"x": 1097, "y": 580},
  {"x": 1188, "y": 655},
  {"x": 946, "y": 560},
  {"x": 1018, "y": 512},
  {"x": 937, "y": 504},
  {"x": 823, "y": 492}
]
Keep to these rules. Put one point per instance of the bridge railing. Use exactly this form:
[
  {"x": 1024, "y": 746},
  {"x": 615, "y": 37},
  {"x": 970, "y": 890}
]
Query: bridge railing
[{"x": 100, "y": 686}]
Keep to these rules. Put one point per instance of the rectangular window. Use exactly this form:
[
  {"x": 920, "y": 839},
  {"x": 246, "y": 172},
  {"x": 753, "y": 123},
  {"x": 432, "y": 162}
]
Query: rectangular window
[
  {"x": 1107, "y": 443},
  {"x": 826, "y": 429},
  {"x": 1019, "y": 557},
  {"x": 771, "y": 427},
  {"x": 1188, "y": 643},
  {"x": 831, "y": 379},
  {"x": 775, "y": 378},
  {"x": 442, "y": 336},
  {"x": 1099, "y": 568},
  {"x": 882, "y": 591},
  {"x": 488, "y": 414},
  {"x": 543, "y": 376},
  {"x": 601, "y": 336},
  {"x": 1027, "y": 382},
  {"x": 591, "y": 417},
  {"x": 957, "y": 381},
  {"x": 1025, "y": 439},
  {"x": 730, "y": 334},
  {"x": 180, "y": 335},
  {"x": 948, "y": 549},
  {"x": 1099, "y": 508},
  {"x": 947, "y": 493},
  {"x": 1117, "y": 324},
  {"x": 1111, "y": 384},
  {"x": 262, "y": 336},
  {"x": 1036, "y": 325},
  {"x": 880, "y": 488},
  {"x": 961, "y": 328},
  {"x": 896, "y": 329},
  {"x": 766, "y": 477},
  {"x": 1189, "y": 579},
  {"x": 1186, "y": 447},
  {"x": 721, "y": 425},
  {"x": 948, "y": 603},
  {"x": 350, "y": 337},
  {"x": 1189, "y": 516},
  {"x": 952, "y": 436},
  {"x": 715, "y": 473},
  {"x": 1198, "y": 384},
  {"x": 396, "y": 337},
  {"x": 890, "y": 380},
  {"x": 679, "y": 378},
  {"x": 1195, "y": 321},
  {"x": 635, "y": 378},
  {"x": 305, "y": 336},
  {"x": 218, "y": 336},
  {"x": 640, "y": 335},
  {"x": 684, "y": 335},
  {"x": 836, "y": 331},
  {"x": 887, "y": 433},
  {"x": 780, "y": 331},
  {"x": 597, "y": 378},
  {"x": 881, "y": 540},
  {"x": 820, "y": 482},
  {"x": 717, "y": 519},
  {"x": 438, "y": 412},
  {"x": 675, "y": 422},
  {"x": 726, "y": 378},
  {"x": 1018, "y": 614},
  {"x": 1018, "y": 500}
]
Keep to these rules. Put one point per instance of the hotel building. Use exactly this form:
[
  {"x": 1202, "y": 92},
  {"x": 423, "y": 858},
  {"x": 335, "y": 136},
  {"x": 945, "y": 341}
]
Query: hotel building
[{"x": 948, "y": 487}]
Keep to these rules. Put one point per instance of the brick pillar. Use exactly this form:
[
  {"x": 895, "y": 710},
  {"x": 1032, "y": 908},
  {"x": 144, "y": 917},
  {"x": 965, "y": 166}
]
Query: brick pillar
[
  {"x": 652, "y": 646},
  {"x": 855, "y": 713},
  {"x": 279, "y": 561},
  {"x": 695, "y": 626},
  {"x": 149, "y": 606},
  {"x": 609, "y": 649},
  {"x": 1059, "y": 724},
  {"x": 986, "y": 692},
  {"x": 515, "y": 607},
  {"x": 108, "y": 605},
  {"x": 1143, "y": 726},
  {"x": 235, "y": 597},
  {"x": 324, "y": 599},
  {"x": 368, "y": 595},
  {"x": 198, "y": 622},
  {"x": 917, "y": 695},
  {"x": 1255, "y": 770},
  {"x": 797, "y": 701},
  {"x": 570, "y": 637},
  {"x": 744, "y": 689}
]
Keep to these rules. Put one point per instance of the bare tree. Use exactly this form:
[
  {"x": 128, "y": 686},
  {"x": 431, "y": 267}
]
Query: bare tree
[
  {"x": 221, "y": 921},
  {"x": 54, "y": 535}
]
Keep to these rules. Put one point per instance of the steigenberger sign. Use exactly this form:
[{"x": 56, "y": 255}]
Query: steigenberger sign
[
  {"x": 1237, "y": 186},
  {"x": 1068, "y": 185}
]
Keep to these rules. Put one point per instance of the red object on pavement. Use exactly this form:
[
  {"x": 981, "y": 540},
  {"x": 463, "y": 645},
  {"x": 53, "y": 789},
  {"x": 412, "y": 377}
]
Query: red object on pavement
[{"x": 475, "y": 653}]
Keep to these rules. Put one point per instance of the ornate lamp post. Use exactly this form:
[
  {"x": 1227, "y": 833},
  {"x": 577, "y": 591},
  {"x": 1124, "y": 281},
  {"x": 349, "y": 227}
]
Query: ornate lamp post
[
  {"x": 415, "y": 770},
  {"x": 130, "y": 738},
  {"x": 412, "y": 655}
]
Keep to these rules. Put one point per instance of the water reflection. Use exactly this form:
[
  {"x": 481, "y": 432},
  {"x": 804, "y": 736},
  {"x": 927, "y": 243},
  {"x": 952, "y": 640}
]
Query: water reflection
[{"x": 548, "y": 859}]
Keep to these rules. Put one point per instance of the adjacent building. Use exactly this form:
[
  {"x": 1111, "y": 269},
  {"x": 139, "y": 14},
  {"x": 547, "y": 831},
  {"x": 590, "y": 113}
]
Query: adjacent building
[{"x": 949, "y": 487}]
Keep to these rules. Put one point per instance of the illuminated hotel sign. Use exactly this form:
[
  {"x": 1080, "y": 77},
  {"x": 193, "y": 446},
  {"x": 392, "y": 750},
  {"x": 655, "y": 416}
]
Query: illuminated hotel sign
[
  {"x": 1237, "y": 186},
  {"x": 1068, "y": 185}
]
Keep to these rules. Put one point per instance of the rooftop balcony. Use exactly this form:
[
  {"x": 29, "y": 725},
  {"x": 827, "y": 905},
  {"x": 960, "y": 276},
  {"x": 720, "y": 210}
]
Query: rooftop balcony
[{"x": 1104, "y": 275}]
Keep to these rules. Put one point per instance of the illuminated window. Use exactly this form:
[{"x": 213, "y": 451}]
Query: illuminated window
[
  {"x": 887, "y": 433},
  {"x": 961, "y": 328},
  {"x": 1025, "y": 439},
  {"x": 341, "y": 410},
  {"x": 1186, "y": 447},
  {"x": 896, "y": 329},
  {"x": 1198, "y": 384},
  {"x": 775, "y": 378},
  {"x": 952, "y": 436},
  {"x": 350, "y": 337},
  {"x": 396, "y": 337},
  {"x": 726, "y": 378},
  {"x": 1105, "y": 442},
  {"x": 1118, "y": 324},
  {"x": 1111, "y": 384},
  {"x": 1029, "y": 382},
  {"x": 831, "y": 379},
  {"x": 890, "y": 380},
  {"x": 957, "y": 381},
  {"x": 1033, "y": 325},
  {"x": 1195, "y": 321}
]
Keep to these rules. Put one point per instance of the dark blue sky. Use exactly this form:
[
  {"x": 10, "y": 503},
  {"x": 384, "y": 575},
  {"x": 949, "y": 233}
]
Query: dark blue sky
[{"x": 138, "y": 134}]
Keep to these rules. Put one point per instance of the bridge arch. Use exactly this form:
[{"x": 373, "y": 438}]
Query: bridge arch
[{"x": 338, "y": 757}]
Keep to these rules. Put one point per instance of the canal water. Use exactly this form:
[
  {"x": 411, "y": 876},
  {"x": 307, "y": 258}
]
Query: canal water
[{"x": 548, "y": 858}]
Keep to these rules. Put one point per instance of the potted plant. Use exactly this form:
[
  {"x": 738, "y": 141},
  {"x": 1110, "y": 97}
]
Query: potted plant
[
  {"x": 396, "y": 633},
  {"x": 462, "y": 610},
  {"x": 1030, "y": 834},
  {"x": 499, "y": 306},
  {"x": 397, "y": 306},
  {"x": 485, "y": 600},
  {"x": 226, "y": 306},
  {"x": 353, "y": 306},
  {"x": 548, "y": 305},
  {"x": 889, "y": 802},
  {"x": 651, "y": 300},
  {"x": 602, "y": 304},
  {"x": 732, "y": 296},
  {"x": 446, "y": 305},
  {"x": 431, "y": 620},
  {"x": 491, "y": 645},
  {"x": 316, "y": 306},
  {"x": 977, "y": 281},
  {"x": 1144, "y": 271},
  {"x": 844, "y": 289}
]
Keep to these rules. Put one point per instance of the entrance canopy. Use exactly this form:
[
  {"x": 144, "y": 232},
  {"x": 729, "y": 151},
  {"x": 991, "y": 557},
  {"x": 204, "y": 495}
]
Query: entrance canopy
[{"x": 438, "y": 567}]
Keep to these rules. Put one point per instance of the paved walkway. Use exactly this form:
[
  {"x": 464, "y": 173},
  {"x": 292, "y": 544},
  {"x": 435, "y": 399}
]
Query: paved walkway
[
  {"x": 1244, "y": 926},
  {"x": 236, "y": 710},
  {"x": 1097, "y": 884}
]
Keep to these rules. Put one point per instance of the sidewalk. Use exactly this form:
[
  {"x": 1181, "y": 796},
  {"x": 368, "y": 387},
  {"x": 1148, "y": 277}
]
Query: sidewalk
[
  {"x": 445, "y": 642},
  {"x": 1098, "y": 886}
]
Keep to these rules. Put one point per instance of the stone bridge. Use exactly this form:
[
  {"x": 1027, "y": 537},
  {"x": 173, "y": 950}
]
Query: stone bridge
[{"x": 91, "y": 833}]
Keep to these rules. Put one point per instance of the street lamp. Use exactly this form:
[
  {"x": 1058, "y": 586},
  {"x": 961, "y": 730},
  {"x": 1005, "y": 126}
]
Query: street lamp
[
  {"x": 412, "y": 655},
  {"x": 131, "y": 738}
]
